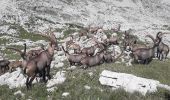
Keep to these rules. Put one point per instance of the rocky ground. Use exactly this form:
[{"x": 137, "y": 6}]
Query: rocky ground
[
  {"x": 21, "y": 20},
  {"x": 75, "y": 82}
]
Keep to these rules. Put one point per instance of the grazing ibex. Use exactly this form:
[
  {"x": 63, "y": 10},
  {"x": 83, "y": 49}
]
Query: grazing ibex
[
  {"x": 74, "y": 58},
  {"x": 162, "y": 49},
  {"x": 145, "y": 55},
  {"x": 39, "y": 64}
]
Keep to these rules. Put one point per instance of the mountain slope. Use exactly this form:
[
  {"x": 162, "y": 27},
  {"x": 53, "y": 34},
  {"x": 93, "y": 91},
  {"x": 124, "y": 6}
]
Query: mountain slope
[{"x": 38, "y": 15}]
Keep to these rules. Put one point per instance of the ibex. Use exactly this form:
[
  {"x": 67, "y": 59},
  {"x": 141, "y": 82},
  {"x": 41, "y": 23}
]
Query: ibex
[
  {"x": 109, "y": 58},
  {"x": 33, "y": 53},
  {"x": 94, "y": 30},
  {"x": 75, "y": 47},
  {"x": 134, "y": 46},
  {"x": 162, "y": 49},
  {"x": 4, "y": 65},
  {"x": 89, "y": 51},
  {"x": 89, "y": 61},
  {"x": 72, "y": 58},
  {"x": 15, "y": 64},
  {"x": 116, "y": 29},
  {"x": 145, "y": 55},
  {"x": 112, "y": 40},
  {"x": 38, "y": 65}
]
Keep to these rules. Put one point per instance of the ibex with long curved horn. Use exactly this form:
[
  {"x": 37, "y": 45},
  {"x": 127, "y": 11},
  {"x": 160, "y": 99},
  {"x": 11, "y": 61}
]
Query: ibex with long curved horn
[
  {"x": 145, "y": 55},
  {"x": 162, "y": 49},
  {"x": 38, "y": 65}
]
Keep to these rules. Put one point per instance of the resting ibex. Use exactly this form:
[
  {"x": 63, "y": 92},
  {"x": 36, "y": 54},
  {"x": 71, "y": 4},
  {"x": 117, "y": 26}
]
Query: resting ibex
[
  {"x": 162, "y": 49},
  {"x": 89, "y": 51},
  {"x": 129, "y": 40},
  {"x": 75, "y": 47},
  {"x": 72, "y": 58},
  {"x": 39, "y": 64},
  {"x": 145, "y": 55},
  {"x": 4, "y": 65},
  {"x": 89, "y": 61},
  {"x": 112, "y": 40},
  {"x": 109, "y": 58},
  {"x": 116, "y": 29}
]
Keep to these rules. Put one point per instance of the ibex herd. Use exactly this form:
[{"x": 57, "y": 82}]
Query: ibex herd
[{"x": 37, "y": 62}]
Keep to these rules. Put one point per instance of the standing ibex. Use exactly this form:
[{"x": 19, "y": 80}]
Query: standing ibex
[
  {"x": 162, "y": 49},
  {"x": 39, "y": 64},
  {"x": 145, "y": 55},
  {"x": 134, "y": 46}
]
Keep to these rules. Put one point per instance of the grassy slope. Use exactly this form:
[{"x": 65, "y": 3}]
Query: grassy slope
[{"x": 78, "y": 78}]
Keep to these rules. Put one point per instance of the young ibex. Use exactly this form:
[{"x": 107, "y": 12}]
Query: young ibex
[
  {"x": 162, "y": 49},
  {"x": 72, "y": 58},
  {"x": 145, "y": 55},
  {"x": 39, "y": 64}
]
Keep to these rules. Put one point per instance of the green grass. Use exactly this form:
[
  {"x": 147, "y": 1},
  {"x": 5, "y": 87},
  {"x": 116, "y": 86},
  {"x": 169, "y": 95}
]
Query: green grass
[
  {"x": 68, "y": 32},
  {"x": 78, "y": 78},
  {"x": 75, "y": 86},
  {"x": 32, "y": 36},
  {"x": 3, "y": 41}
]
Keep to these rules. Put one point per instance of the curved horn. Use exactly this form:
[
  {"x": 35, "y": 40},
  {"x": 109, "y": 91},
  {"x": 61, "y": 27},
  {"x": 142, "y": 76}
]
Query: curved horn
[
  {"x": 158, "y": 34},
  {"x": 150, "y": 36}
]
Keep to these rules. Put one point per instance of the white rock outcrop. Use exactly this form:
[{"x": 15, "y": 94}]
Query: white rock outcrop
[{"x": 129, "y": 82}]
